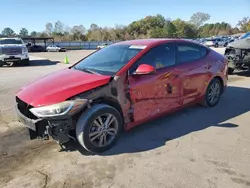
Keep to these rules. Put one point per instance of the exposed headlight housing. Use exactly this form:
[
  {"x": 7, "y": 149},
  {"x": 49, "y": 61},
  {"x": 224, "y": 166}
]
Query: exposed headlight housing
[{"x": 60, "y": 109}]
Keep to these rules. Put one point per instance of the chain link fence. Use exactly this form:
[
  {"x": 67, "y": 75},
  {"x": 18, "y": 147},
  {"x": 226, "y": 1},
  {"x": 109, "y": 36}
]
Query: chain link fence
[{"x": 90, "y": 45}]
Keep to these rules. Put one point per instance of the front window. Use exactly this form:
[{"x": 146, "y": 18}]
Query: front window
[
  {"x": 109, "y": 60},
  {"x": 11, "y": 41}
]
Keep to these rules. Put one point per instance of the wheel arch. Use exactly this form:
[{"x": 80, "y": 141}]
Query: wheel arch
[{"x": 111, "y": 102}]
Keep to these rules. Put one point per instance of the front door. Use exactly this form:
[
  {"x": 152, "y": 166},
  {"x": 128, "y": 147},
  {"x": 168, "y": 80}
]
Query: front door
[{"x": 156, "y": 93}]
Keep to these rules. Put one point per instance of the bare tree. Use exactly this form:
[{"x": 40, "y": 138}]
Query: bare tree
[
  {"x": 199, "y": 18},
  {"x": 49, "y": 28}
]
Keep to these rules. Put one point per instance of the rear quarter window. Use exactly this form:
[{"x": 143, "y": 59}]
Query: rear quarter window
[
  {"x": 203, "y": 51},
  {"x": 188, "y": 53}
]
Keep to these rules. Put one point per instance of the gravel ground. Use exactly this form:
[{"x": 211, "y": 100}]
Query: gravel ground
[{"x": 196, "y": 147}]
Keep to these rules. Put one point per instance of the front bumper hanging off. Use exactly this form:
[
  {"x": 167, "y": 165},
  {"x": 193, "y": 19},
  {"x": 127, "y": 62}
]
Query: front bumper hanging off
[{"x": 58, "y": 129}]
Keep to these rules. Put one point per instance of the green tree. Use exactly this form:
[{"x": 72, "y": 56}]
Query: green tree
[
  {"x": 244, "y": 24},
  {"x": 199, "y": 18},
  {"x": 157, "y": 33},
  {"x": 23, "y": 32},
  {"x": 169, "y": 29},
  {"x": 8, "y": 32},
  {"x": 33, "y": 34}
]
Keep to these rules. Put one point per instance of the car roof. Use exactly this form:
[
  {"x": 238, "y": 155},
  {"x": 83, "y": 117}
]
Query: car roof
[{"x": 150, "y": 42}]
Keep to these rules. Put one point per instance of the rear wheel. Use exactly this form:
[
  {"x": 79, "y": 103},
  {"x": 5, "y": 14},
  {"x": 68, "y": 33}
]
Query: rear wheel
[
  {"x": 99, "y": 127},
  {"x": 216, "y": 45},
  {"x": 213, "y": 93}
]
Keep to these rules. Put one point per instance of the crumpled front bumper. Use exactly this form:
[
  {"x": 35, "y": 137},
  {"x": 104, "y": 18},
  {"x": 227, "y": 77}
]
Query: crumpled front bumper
[
  {"x": 36, "y": 128},
  {"x": 58, "y": 129}
]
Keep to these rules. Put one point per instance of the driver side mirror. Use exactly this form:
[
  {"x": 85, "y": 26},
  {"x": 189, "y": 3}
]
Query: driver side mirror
[{"x": 144, "y": 69}]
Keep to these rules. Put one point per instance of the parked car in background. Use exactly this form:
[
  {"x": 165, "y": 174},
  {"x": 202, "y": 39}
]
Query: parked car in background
[
  {"x": 238, "y": 54},
  {"x": 215, "y": 42},
  {"x": 55, "y": 48},
  {"x": 246, "y": 35},
  {"x": 120, "y": 87},
  {"x": 101, "y": 46},
  {"x": 13, "y": 51},
  {"x": 37, "y": 48}
]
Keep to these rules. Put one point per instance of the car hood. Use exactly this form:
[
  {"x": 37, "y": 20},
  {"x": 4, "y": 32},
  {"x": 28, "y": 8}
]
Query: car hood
[
  {"x": 240, "y": 44},
  {"x": 59, "y": 86},
  {"x": 12, "y": 45}
]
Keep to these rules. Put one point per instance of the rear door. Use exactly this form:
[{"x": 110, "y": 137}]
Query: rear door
[
  {"x": 156, "y": 93},
  {"x": 192, "y": 68}
]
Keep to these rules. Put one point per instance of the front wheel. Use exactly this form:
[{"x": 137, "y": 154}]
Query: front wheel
[
  {"x": 213, "y": 93},
  {"x": 25, "y": 62},
  {"x": 230, "y": 70},
  {"x": 99, "y": 127},
  {"x": 216, "y": 45}
]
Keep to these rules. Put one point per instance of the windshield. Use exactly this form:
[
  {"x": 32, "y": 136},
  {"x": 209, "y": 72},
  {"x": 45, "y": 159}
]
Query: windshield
[
  {"x": 109, "y": 60},
  {"x": 11, "y": 41},
  {"x": 246, "y": 35}
]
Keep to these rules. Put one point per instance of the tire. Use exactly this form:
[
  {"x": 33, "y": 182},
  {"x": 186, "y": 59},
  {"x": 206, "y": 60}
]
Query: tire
[
  {"x": 216, "y": 45},
  {"x": 207, "y": 100},
  {"x": 230, "y": 70},
  {"x": 85, "y": 124},
  {"x": 25, "y": 62},
  {"x": 225, "y": 45}
]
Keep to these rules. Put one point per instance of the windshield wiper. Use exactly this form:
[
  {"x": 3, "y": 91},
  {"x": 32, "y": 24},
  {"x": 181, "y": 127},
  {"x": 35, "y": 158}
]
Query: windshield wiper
[{"x": 87, "y": 70}]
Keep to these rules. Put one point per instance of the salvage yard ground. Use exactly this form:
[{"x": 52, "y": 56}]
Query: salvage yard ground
[{"x": 196, "y": 147}]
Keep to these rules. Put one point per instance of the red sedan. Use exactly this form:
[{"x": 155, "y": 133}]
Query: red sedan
[{"x": 119, "y": 87}]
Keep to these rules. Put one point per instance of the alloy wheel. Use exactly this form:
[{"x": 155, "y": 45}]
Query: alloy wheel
[
  {"x": 103, "y": 130},
  {"x": 214, "y": 93}
]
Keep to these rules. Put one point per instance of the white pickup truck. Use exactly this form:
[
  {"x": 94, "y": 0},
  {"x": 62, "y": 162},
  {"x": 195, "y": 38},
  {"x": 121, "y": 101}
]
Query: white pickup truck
[{"x": 13, "y": 51}]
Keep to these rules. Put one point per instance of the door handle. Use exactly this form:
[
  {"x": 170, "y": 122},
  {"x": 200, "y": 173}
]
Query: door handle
[{"x": 169, "y": 88}]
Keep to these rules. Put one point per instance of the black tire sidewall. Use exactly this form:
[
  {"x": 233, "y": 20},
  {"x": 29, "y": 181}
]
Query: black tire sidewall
[
  {"x": 85, "y": 121},
  {"x": 230, "y": 70},
  {"x": 208, "y": 103}
]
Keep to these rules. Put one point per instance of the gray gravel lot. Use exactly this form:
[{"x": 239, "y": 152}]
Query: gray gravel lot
[{"x": 196, "y": 147}]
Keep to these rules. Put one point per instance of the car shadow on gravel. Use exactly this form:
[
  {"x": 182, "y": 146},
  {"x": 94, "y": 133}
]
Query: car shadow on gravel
[
  {"x": 33, "y": 63},
  {"x": 157, "y": 133},
  {"x": 43, "y": 62}
]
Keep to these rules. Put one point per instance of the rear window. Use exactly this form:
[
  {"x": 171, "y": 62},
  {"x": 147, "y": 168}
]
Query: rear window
[{"x": 204, "y": 51}]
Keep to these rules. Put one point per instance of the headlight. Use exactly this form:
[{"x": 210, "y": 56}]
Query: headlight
[
  {"x": 24, "y": 50},
  {"x": 60, "y": 109}
]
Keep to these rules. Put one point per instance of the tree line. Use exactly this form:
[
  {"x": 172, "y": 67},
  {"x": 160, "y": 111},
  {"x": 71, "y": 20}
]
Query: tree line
[{"x": 149, "y": 27}]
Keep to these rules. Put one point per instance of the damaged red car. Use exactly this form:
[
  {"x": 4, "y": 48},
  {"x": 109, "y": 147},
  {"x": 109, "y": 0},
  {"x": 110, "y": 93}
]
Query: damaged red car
[{"x": 119, "y": 87}]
